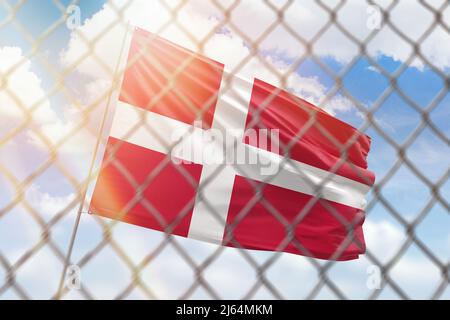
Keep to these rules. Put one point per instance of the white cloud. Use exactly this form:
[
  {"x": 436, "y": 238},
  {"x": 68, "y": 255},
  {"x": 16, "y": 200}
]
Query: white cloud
[
  {"x": 383, "y": 238},
  {"x": 231, "y": 276},
  {"x": 198, "y": 19},
  {"x": 21, "y": 91},
  {"x": 228, "y": 47},
  {"x": 306, "y": 18},
  {"x": 46, "y": 204},
  {"x": 373, "y": 69},
  {"x": 35, "y": 273}
]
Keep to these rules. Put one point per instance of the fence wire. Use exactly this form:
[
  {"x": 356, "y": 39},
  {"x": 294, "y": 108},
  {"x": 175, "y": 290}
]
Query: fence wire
[{"x": 61, "y": 251}]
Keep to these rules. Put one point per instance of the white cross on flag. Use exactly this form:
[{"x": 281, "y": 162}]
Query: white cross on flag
[{"x": 284, "y": 176}]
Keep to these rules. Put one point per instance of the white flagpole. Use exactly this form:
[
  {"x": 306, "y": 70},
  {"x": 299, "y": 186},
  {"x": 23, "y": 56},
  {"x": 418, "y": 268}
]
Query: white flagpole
[{"x": 114, "y": 86}]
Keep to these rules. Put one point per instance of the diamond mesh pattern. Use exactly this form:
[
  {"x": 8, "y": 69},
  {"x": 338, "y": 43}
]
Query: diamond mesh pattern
[{"x": 100, "y": 243}]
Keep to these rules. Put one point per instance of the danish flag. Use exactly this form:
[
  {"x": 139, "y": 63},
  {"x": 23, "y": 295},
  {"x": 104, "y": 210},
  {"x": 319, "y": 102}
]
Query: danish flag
[{"x": 311, "y": 205}]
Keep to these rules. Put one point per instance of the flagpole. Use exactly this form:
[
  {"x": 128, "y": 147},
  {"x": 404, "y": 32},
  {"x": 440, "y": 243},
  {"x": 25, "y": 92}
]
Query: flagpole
[{"x": 91, "y": 168}]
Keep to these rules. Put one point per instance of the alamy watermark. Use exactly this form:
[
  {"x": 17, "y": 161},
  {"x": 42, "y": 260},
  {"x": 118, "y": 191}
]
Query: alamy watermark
[
  {"x": 73, "y": 277},
  {"x": 253, "y": 147},
  {"x": 374, "y": 17},
  {"x": 374, "y": 277},
  {"x": 73, "y": 19}
]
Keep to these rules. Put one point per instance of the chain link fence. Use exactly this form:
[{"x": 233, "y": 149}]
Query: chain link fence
[{"x": 102, "y": 260}]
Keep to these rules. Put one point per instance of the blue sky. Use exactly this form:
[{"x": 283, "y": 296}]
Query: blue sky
[{"x": 405, "y": 192}]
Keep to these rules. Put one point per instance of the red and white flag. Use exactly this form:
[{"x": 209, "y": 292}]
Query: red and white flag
[{"x": 304, "y": 194}]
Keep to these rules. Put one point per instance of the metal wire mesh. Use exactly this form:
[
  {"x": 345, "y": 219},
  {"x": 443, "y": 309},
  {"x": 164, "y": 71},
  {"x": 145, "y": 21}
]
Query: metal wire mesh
[{"x": 262, "y": 267}]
